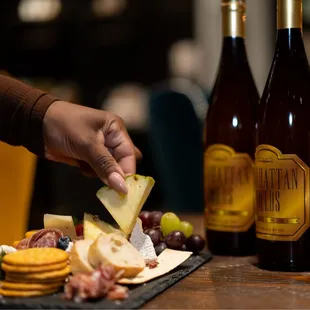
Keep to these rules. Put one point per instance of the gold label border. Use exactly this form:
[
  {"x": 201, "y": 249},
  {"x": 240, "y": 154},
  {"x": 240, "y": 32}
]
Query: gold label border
[
  {"x": 231, "y": 228},
  {"x": 305, "y": 169}
]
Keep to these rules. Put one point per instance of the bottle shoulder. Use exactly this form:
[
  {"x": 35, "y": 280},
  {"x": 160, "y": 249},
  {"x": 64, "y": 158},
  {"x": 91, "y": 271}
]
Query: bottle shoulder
[
  {"x": 287, "y": 88},
  {"x": 232, "y": 97}
]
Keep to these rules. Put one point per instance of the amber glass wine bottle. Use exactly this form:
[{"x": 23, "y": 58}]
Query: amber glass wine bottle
[
  {"x": 283, "y": 150},
  {"x": 230, "y": 143}
]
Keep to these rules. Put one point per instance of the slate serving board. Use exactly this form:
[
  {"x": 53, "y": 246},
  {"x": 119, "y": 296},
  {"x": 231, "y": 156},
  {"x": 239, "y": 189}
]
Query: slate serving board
[{"x": 138, "y": 295}]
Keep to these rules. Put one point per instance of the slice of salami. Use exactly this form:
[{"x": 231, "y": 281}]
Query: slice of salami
[
  {"x": 23, "y": 244},
  {"x": 45, "y": 238},
  {"x": 48, "y": 240},
  {"x": 35, "y": 237}
]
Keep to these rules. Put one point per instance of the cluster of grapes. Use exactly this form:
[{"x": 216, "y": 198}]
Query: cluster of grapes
[{"x": 166, "y": 230}]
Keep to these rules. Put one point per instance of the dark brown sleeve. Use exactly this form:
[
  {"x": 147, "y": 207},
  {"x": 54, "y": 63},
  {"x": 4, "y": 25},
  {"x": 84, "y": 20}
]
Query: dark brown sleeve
[{"x": 22, "y": 109}]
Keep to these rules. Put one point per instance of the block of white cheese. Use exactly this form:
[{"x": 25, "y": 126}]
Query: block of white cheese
[
  {"x": 93, "y": 227},
  {"x": 70, "y": 246},
  {"x": 7, "y": 249},
  {"x": 126, "y": 208},
  {"x": 143, "y": 243},
  {"x": 64, "y": 223}
]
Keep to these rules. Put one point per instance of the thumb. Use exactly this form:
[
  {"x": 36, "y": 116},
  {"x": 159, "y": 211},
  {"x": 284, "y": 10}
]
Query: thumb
[{"x": 107, "y": 169}]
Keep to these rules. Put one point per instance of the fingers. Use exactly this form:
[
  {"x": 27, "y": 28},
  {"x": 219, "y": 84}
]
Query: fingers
[
  {"x": 117, "y": 182},
  {"x": 105, "y": 166},
  {"x": 87, "y": 170},
  {"x": 63, "y": 159},
  {"x": 128, "y": 164},
  {"x": 138, "y": 154},
  {"x": 122, "y": 148},
  {"x": 127, "y": 156}
]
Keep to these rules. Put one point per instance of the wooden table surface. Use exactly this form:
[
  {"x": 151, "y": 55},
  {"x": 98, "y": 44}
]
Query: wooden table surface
[{"x": 235, "y": 283}]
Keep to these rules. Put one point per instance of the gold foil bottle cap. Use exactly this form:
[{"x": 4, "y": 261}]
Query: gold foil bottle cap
[
  {"x": 289, "y": 14},
  {"x": 241, "y": 2},
  {"x": 233, "y": 18},
  {"x": 234, "y": 5}
]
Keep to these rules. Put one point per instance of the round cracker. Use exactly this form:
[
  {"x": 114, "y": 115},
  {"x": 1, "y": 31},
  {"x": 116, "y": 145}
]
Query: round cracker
[
  {"x": 30, "y": 286},
  {"x": 36, "y": 257},
  {"x": 41, "y": 281},
  {"x": 40, "y": 275},
  {"x": 27, "y": 269},
  {"x": 16, "y": 293}
]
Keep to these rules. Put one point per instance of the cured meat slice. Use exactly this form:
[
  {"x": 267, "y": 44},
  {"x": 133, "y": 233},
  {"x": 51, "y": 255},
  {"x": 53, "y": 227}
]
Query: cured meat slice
[
  {"x": 96, "y": 284},
  {"x": 23, "y": 244},
  {"x": 118, "y": 292},
  {"x": 45, "y": 238}
]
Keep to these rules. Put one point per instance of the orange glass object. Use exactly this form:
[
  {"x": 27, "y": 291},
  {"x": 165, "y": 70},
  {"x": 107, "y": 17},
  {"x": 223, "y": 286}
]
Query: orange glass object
[{"x": 17, "y": 172}]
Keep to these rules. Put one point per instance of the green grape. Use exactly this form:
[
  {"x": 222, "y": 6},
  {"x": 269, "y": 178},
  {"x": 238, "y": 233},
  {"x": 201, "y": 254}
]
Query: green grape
[
  {"x": 186, "y": 228},
  {"x": 169, "y": 222}
]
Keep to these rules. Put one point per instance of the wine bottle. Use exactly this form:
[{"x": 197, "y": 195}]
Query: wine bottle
[
  {"x": 230, "y": 143},
  {"x": 282, "y": 155}
]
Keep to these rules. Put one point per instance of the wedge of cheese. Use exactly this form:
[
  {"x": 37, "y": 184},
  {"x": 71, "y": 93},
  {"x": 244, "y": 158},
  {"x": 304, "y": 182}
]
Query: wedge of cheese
[
  {"x": 62, "y": 222},
  {"x": 93, "y": 227},
  {"x": 143, "y": 243},
  {"x": 78, "y": 257},
  {"x": 126, "y": 208},
  {"x": 115, "y": 250}
]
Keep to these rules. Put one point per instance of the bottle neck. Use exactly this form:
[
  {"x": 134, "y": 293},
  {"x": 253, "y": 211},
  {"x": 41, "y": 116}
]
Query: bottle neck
[
  {"x": 289, "y": 14},
  {"x": 290, "y": 44},
  {"x": 233, "y": 18},
  {"x": 233, "y": 28},
  {"x": 290, "y": 41},
  {"x": 233, "y": 53}
]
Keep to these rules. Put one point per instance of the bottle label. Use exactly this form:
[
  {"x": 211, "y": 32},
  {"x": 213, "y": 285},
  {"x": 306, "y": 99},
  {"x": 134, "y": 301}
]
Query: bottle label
[
  {"x": 282, "y": 195},
  {"x": 229, "y": 189}
]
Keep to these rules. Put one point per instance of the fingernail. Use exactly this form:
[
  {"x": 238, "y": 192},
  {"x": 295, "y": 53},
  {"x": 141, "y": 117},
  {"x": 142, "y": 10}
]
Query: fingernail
[{"x": 117, "y": 182}]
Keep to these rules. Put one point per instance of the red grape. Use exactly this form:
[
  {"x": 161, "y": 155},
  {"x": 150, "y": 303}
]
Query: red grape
[
  {"x": 144, "y": 217},
  {"x": 154, "y": 234},
  {"x": 79, "y": 228},
  {"x": 183, "y": 248},
  {"x": 160, "y": 247},
  {"x": 175, "y": 240},
  {"x": 155, "y": 217},
  {"x": 195, "y": 243}
]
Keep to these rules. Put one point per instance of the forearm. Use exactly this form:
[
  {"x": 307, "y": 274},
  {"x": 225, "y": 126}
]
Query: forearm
[{"x": 22, "y": 109}]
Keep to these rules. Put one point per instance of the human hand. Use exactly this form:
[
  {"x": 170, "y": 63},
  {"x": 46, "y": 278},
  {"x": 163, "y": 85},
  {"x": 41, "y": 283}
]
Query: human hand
[{"x": 96, "y": 141}]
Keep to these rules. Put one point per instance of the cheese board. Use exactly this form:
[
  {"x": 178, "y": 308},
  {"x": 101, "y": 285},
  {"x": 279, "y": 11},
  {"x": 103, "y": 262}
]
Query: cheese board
[
  {"x": 91, "y": 263},
  {"x": 138, "y": 294}
]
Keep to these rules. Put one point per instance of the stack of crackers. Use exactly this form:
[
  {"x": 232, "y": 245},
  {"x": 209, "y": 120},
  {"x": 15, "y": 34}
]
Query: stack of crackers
[{"x": 34, "y": 272}]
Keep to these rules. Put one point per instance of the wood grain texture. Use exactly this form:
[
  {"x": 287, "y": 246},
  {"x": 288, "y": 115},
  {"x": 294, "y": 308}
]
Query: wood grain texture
[{"x": 235, "y": 283}]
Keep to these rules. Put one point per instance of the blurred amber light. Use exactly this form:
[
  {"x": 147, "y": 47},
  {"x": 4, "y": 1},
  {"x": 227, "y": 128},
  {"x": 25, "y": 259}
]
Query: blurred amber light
[{"x": 39, "y": 10}]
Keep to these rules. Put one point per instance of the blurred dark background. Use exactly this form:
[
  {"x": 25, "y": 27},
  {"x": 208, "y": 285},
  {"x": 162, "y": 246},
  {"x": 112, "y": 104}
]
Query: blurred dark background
[
  {"x": 81, "y": 50},
  {"x": 153, "y": 62}
]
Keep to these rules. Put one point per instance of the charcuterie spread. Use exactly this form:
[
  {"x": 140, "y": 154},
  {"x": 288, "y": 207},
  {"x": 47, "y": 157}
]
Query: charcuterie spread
[{"x": 93, "y": 259}]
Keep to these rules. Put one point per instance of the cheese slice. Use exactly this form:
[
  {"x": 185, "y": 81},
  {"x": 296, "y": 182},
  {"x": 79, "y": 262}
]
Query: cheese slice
[
  {"x": 93, "y": 227},
  {"x": 64, "y": 223},
  {"x": 126, "y": 208},
  {"x": 143, "y": 243},
  {"x": 167, "y": 261}
]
